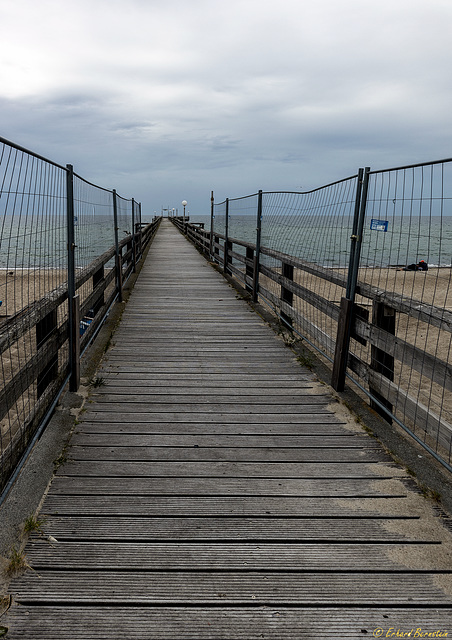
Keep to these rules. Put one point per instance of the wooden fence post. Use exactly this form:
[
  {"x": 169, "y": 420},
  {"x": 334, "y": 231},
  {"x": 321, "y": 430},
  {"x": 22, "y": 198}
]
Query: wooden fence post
[
  {"x": 381, "y": 361},
  {"x": 98, "y": 276},
  {"x": 342, "y": 345},
  {"x": 249, "y": 267},
  {"x": 45, "y": 329},
  {"x": 119, "y": 275},
  {"x": 227, "y": 258},
  {"x": 74, "y": 382},
  {"x": 286, "y": 294}
]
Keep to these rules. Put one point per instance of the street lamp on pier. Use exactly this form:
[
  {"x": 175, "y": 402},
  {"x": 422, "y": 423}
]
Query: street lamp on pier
[{"x": 184, "y": 204}]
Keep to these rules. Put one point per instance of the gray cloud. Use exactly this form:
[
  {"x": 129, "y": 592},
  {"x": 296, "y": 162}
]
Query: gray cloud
[{"x": 168, "y": 99}]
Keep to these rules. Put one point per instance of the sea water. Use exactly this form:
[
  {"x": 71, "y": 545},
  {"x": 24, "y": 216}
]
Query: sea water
[
  {"x": 327, "y": 241},
  {"x": 41, "y": 241},
  {"x": 324, "y": 240}
]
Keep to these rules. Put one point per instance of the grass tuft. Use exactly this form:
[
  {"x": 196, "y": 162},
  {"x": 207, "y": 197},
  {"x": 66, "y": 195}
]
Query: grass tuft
[
  {"x": 306, "y": 361},
  {"x": 33, "y": 523},
  {"x": 17, "y": 562},
  {"x": 97, "y": 382}
]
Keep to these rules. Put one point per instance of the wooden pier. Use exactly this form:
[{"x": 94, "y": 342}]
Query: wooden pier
[{"x": 215, "y": 490}]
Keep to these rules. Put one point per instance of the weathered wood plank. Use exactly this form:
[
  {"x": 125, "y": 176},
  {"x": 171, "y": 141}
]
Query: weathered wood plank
[
  {"x": 257, "y": 588},
  {"x": 202, "y": 416},
  {"x": 255, "y": 454},
  {"x": 231, "y": 556},
  {"x": 201, "y": 394},
  {"x": 318, "y": 425},
  {"x": 190, "y": 384},
  {"x": 146, "y": 529},
  {"x": 245, "y": 380},
  {"x": 281, "y": 403},
  {"x": 307, "y": 487},
  {"x": 220, "y": 622},
  {"x": 112, "y": 440},
  {"x": 196, "y": 367},
  {"x": 232, "y": 357},
  {"x": 231, "y": 469},
  {"x": 244, "y": 506}
]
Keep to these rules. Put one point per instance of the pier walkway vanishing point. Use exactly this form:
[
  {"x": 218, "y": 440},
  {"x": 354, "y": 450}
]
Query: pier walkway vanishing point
[{"x": 215, "y": 489}]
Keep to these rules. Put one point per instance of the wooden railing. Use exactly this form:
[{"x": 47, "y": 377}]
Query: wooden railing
[
  {"x": 276, "y": 278},
  {"x": 38, "y": 371}
]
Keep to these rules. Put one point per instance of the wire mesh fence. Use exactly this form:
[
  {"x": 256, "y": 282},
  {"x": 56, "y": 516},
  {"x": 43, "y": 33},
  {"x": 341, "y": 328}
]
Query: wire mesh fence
[
  {"x": 315, "y": 228},
  {"x": 405, "y": 276},
  {"x": 361, "y": 270},
  {"x": 39, "y": 202}
]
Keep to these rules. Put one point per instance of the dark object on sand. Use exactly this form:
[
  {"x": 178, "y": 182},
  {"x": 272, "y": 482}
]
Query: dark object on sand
[{"x": 420, "y": 266}]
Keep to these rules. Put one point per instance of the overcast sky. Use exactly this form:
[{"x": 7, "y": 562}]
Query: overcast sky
[{"x": 166, "y": 100}]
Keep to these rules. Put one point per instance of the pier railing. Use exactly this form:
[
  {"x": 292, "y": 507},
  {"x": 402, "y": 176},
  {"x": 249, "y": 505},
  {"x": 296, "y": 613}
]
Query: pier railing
[
  {"x": 361, "y": 271},
  {"x": 67, "y": 246}
]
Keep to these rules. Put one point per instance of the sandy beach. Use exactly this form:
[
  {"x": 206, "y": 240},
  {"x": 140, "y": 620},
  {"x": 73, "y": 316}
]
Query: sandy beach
[{"x": 21, "y": 287}]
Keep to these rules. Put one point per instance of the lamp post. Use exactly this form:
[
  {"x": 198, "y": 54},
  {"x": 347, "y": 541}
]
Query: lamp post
[{"x": 184, "y": 204}]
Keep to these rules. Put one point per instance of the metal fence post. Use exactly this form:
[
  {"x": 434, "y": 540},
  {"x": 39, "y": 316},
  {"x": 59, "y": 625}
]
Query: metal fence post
[
  {"x": 212, "y": 216},
  {"x": 73, "y": 315},
  {"x": 354, "y": 236},
  {"x": 258, "y": 248},
  {"x": 118, "y": 258},
  {"x": 226, "y": 240},
  {"x": 347, "y": 303},
  {"x": 359, "y": 239},
  {"x": 134, "y": 246},
  {"x": 140, "y": 236}
]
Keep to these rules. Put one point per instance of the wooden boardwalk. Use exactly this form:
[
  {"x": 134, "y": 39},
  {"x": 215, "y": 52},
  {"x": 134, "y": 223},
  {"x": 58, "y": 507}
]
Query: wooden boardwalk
[{"x": 215, "y": 490}]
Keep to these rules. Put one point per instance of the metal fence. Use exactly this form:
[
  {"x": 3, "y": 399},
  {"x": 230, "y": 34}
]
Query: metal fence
[
  {"x": 66, "y": 246},
  {"x": 361, "y": 270}
]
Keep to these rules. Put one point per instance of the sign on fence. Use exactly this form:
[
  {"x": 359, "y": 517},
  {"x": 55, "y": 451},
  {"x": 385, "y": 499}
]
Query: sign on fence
[{"x": 378, "y": 225}]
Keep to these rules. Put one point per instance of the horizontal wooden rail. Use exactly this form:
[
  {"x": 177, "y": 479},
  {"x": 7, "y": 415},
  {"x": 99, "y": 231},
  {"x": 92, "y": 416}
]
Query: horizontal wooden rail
[
  {"x": 46, "y": 367},
  {"x": 325, "y": 306},
  {"x": 22, "y": 380},
  {"x": 386, "y": 347},
  {"x": 425, "y": 419}
]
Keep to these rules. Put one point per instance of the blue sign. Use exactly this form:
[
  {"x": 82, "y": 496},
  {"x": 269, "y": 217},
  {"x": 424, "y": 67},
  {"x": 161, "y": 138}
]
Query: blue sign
[{"x": 378, "y": 225}]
